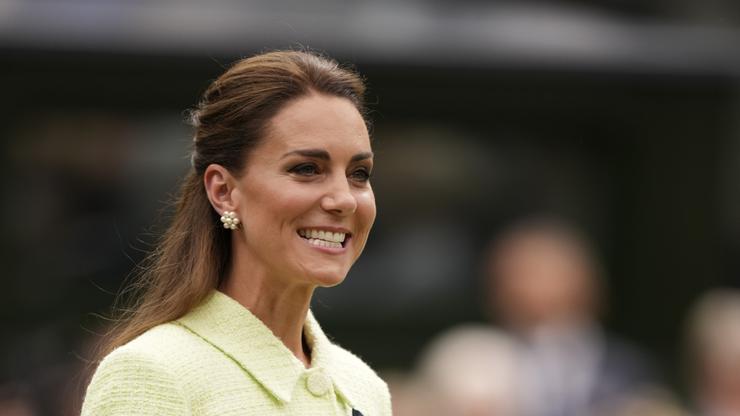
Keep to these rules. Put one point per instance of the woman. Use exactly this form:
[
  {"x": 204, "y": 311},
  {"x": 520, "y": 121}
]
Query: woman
[{"x": 277, "y": 204}]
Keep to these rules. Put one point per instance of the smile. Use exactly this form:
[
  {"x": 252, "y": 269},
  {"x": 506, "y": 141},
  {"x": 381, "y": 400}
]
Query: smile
[{"x": 324, "y": 238}]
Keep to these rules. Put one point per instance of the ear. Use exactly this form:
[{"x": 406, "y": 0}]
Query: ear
[{"x": 220, "y": 186}]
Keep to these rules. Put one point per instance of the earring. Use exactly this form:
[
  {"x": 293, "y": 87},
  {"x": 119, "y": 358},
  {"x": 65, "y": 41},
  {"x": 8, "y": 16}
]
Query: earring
[{"x": 229, "y": 220}]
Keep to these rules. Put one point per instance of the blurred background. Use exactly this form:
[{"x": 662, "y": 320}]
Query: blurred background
[{"x": 614, "y": 124}]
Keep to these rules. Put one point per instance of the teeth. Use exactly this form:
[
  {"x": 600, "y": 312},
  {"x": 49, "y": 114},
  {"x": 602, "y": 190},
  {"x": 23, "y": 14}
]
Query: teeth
[
  {"x": 322, "y": 235},
  {"x": 323, "y": 243}
]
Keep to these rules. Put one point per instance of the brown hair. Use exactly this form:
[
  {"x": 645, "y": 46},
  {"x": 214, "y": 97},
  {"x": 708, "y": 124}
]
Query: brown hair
[{"x": 193, "y": 254}]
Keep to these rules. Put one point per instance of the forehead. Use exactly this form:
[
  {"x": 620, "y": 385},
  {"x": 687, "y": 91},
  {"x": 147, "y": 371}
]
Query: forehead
[{"x": 318, "y": 121}]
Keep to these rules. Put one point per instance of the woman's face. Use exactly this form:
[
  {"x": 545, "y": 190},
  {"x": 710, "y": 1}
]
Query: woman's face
[{"x": 305, "y": 199}]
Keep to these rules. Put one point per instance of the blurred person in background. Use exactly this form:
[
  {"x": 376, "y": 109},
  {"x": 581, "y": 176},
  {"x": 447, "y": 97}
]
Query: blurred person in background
[
  {"x": 277, "y": 203},
  {"x": 470, "y": 370},
  {"x": 545, "y": 285},
  {"x": 714, "y": 353}
]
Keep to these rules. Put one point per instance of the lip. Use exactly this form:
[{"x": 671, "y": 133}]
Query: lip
[
  {"x": 328, "y": 250},
  {"x": 325, "y": 228}
]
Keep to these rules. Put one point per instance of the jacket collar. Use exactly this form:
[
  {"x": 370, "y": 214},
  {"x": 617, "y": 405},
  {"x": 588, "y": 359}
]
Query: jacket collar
[{"x": 234, "y": 330}]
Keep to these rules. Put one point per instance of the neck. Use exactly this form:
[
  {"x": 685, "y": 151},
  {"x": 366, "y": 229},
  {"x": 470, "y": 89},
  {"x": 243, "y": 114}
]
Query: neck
[{"x": 281, "y": 307}]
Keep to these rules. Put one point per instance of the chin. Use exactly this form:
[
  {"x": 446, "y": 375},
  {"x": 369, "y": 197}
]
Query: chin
[{"x": 328, "y": 279}]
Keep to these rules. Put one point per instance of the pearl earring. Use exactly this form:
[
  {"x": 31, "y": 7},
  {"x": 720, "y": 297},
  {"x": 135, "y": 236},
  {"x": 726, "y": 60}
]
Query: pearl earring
[{"x": 229, "y": 220}]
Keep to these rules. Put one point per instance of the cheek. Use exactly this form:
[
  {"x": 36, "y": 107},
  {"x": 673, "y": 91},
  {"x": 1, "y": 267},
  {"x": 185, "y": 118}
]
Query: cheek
[
  {"x": 365, "y": 217},
  {"x": 279, "y": 201},
  {"x": 366, "y": 209}
]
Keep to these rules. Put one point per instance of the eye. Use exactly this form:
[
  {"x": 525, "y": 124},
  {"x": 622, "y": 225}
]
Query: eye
[
  {"x": 361, "y": 175},
  {"x": 304, "y": 169}
]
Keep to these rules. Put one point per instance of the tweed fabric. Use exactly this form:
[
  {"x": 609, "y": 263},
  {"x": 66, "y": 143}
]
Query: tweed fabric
[{"x": 220, "y": 359}]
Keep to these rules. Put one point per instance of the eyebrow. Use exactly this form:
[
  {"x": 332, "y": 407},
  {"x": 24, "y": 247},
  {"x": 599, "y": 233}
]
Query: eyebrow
[{"x": 324, "y": 155}]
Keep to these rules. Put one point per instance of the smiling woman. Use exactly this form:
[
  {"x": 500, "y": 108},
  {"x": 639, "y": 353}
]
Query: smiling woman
[
  {"x": 277, "y": 204},
  {"x": 307, "y": 181}
]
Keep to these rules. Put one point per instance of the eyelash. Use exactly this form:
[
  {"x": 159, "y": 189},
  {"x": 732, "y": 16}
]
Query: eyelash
[
  {"x": 301, "y": 169},
  {"x": 366, "y": 174},
  {"x": 310, "y": 169}
]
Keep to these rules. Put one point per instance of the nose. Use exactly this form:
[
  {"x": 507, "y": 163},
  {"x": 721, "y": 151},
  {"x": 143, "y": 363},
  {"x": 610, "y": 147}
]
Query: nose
[{"x": 339, "y": 199}]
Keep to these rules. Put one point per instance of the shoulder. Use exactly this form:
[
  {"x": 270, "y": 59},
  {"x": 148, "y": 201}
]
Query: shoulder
[
  {"x": 360, "y": 382},
  {"x": 138, "y": 378}
]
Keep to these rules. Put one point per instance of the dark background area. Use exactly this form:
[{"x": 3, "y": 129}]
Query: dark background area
[{"x": 621, "y": 116}]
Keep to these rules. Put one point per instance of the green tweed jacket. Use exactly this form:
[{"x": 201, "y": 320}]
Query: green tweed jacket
[{"x": 221, "y": 360}]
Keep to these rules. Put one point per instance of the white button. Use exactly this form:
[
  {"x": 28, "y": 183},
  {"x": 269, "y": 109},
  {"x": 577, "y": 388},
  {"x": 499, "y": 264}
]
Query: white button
[{"x": 317, "y": 383}]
